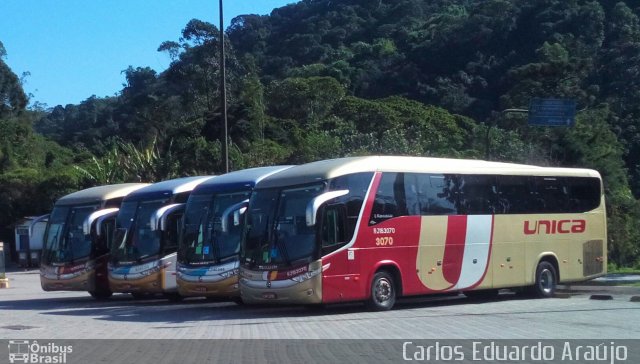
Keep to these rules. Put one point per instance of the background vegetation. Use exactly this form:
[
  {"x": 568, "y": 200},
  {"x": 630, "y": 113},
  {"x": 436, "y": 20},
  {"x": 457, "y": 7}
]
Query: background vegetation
[{"x": 331, "y": 78}]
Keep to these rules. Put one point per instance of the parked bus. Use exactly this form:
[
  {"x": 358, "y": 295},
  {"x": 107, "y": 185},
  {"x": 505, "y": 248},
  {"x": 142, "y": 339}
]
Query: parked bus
[
  {"x": 208, "y": 252},
  {"x": 29, "y": 238},
  {"x": 77, "y": 239},
  {"x": 143, "y": 253},
  {"x": 376, "y": 228}
]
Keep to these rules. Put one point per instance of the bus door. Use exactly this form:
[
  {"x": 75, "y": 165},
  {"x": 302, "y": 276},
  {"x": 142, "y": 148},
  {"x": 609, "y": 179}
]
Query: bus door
[{"x": 342, "y": 280}]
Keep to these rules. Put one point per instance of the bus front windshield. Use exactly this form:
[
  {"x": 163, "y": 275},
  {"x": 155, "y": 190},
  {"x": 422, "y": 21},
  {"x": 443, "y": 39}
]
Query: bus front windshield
[
  {"x": 135, "y": 240},
  {"x": 65, "y": 241},
  {"x": 204, "y": 241},
  {"x": 277, "y": 232}
]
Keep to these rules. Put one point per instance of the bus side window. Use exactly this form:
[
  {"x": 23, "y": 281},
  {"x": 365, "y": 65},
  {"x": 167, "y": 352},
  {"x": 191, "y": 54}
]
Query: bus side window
[
  {"x": 514, "y": 195},
  {"x": 358, "y": 186},
  {"x": 174, "y": 223},
  {"x": 477, "y": 195},
  {"x": 389, "y": 201},
  {"x": 553, "y": 194},
  {"x": 108, "y": 229},
  {"x": 414, "y": 194},
  {"x": 333, "y": 228},
  {"x": 584, "y": 193},
  {"x": 438, "y": 194}
]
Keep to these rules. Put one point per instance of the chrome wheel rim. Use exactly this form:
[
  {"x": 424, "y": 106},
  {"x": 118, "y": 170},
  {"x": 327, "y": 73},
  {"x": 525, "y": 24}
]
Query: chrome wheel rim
[
  {"x": 546, "y": 281},
  {"x": 383, "y": 290}
]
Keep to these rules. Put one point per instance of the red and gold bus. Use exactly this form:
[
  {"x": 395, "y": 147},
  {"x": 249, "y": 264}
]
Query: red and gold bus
[{"x": 376, "y": 228}]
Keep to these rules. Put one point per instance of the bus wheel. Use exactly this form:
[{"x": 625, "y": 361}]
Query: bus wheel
[
  {"x": 101, "y": 295},
  {"x": 546, "y": 281},
  {"x": 383, "y": 292}
]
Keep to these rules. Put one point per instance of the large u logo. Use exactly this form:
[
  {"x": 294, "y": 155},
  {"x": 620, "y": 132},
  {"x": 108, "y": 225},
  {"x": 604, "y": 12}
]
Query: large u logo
[{"x": 461, "y": 245}]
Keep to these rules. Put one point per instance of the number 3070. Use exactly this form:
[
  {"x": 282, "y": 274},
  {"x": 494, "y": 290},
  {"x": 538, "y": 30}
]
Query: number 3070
[{"x": 384, "y": 241}]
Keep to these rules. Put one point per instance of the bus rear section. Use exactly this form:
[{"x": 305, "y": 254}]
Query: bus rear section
[{"x": 414, "y": 232}]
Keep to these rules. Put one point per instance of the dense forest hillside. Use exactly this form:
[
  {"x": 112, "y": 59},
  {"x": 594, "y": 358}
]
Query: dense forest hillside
[{"x": 330, "y": 78}]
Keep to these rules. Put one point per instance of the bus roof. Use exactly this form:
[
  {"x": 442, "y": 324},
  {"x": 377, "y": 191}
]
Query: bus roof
[
  {"x": 167, "y": 188},
  {"x": 331, "y": 168},
  {"x": 237, "y": 180},
  {"x": 99, "y": 194}
]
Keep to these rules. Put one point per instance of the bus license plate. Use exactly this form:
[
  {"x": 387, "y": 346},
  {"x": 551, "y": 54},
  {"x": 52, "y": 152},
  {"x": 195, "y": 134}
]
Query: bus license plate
[{"x": 269, "y": 296}]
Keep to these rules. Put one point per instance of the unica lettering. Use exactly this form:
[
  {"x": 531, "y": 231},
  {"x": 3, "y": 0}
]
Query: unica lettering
[{"x": 555, "y": 227}]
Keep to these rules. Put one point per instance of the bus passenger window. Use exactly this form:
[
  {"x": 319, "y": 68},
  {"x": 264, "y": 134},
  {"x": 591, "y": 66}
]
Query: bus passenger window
[
  {"x": 553, "y": 194},
  {"x": 172, "y": 234},
  {"x": 477, "y": 195},
  {"x": 414, "y": 195},
  {"x": 584, "y": 194},
  {"x": 333, "y": 228},
  {"x": 514, "y": 195},
  {"x": 438, "y": 195},
  {"x": 389, "y": 201},
  {"x": 358, "y": 185}
]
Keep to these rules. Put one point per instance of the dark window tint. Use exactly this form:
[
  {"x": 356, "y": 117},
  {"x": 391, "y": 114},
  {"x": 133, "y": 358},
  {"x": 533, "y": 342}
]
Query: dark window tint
[
  {"x": 389, "y": 200},
  {"x": 584, "y": 194},
  {"x": 334, "y": 234},
  {"x": 172, "y": 234},
  {"x": 430, "y": 194},
  {"x": 358, "y": 185},
  {"x": 552, "y": 194},
  {"x": 181, "y": 197},
  {"x": 441, "y": 195},
  {"x": 477, "y": 195},
  {"x": 514, "y": 195},
  {"x": 545, "y": 195}
]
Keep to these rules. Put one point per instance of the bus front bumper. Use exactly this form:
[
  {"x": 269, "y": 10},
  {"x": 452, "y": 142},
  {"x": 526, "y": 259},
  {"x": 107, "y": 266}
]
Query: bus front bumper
[
  {"x": 80, "y": 278},
  {"x": 255, "y": 287},
  {"x": 224, "y": 288}
]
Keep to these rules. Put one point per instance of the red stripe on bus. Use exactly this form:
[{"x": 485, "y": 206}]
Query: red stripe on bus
[{"x": 454, "y": 248}]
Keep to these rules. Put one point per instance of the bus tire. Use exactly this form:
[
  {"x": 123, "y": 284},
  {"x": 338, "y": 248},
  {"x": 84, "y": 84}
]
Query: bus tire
[
  {"x": 546, "y": 280},
  {"x": 101, "y": 295},
  {"x": 383, "y": 292}
]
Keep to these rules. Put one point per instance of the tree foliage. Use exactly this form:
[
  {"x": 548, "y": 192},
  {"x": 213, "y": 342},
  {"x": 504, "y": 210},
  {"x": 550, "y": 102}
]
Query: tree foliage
[{"x": 330, "y": 78}]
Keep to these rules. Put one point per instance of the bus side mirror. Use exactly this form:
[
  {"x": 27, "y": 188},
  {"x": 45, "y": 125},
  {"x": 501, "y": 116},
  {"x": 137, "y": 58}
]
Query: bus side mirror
[
  {"x": 100, "y": 216},
  {"x": 158, "y": 221},
  {"x": 314, "y": 205},
  {"x": 237, "y": 210}
]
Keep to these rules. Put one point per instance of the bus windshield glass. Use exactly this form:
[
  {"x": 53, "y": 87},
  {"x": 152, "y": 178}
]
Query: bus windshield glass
[
  {"x": 65, "y": 241},
  {"x": 277, "y": 232},
  {"x": 135, "y": 240},
  {"x": 204, "y": 241}
]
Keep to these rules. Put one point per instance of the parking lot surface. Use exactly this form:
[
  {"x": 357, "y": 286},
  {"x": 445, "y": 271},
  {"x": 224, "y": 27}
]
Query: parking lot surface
[{"x": 28, "y": 312}]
